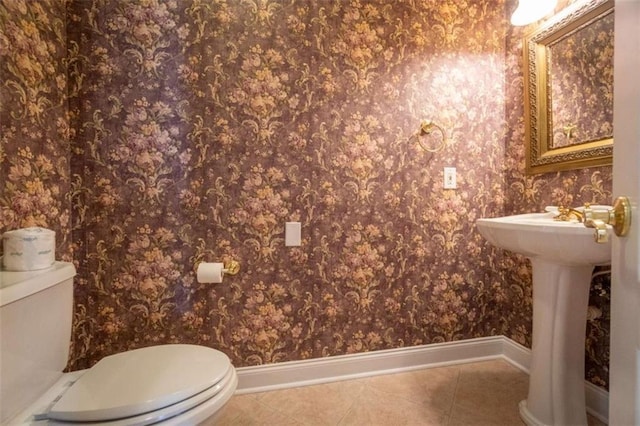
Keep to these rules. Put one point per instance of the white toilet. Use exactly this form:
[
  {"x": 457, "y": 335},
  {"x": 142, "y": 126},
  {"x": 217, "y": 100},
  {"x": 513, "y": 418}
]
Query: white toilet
[{"x": 166, "y": 384}]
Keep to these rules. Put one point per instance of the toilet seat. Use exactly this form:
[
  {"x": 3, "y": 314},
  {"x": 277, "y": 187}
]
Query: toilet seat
[
  {"x": 147, "y": 385},
  {"x": 188, "y": 412}
]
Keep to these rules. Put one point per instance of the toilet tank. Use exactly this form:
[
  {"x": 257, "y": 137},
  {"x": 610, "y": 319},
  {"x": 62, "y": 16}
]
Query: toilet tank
[{"x": 36, "y": 309}]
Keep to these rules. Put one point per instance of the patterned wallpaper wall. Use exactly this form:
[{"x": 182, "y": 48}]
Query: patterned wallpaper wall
[
  {"x": 34, "y": 123},
  {"x": 206, "y": 126},
  {"x": 198, "y": 128}
]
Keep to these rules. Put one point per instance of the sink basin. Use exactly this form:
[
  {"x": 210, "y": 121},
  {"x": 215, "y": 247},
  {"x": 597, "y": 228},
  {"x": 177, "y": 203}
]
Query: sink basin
[
  {"x": 538, "y": 235},
  {"x": 562, "y": 256}
]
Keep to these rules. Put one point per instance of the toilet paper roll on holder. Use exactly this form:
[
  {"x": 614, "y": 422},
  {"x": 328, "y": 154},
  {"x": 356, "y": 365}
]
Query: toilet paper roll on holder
[
  {"x": 230, "y": 268},
  {"x": 214, "y": 272}
]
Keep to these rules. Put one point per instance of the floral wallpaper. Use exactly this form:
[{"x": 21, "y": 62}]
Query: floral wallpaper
[
  {"x": 206, "y": 126},
  {"x": 34, "y": 137},
  {"x": 582, "y": 65},
  {"x": 195, "y": 129}
]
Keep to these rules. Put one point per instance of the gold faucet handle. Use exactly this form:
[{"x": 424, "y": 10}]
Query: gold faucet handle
[
  {"x": 619, "y": 217},
  {"x": 605, "y": 215},
  {"x": 601, "y": 235}
]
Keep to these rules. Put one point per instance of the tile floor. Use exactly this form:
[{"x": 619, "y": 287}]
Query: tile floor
[{"x": 483, "y": 393}]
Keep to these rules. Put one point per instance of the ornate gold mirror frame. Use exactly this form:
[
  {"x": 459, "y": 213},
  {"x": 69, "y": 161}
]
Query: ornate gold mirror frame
[{"x": 543, "y": 155}]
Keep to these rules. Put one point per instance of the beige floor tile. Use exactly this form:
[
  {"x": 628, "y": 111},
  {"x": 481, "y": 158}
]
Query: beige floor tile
[
  {"x": 484, "y": 393},
  {"x": 433, "y": 388},
  {"x": 247, "y": 410},
  {"x": 376, "y": 408},
  {"x": 488, "y": 393},
  {"x": 322, "y": 404}
]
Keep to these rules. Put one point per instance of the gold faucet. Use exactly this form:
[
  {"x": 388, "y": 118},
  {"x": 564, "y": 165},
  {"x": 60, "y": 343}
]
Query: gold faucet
[{"x": 565, "y": 214}]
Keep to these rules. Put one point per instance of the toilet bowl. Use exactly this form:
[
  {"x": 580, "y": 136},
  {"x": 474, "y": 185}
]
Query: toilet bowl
[{"x": 174, "y": 384}]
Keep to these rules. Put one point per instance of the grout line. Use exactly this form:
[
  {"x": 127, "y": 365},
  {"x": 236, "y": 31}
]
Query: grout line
[
  {"x": 344, "y": 416},
  {"x": 355, "y": 401},
  {"x": 273, "y": 409},
  {"x": 453, "y": 400}
]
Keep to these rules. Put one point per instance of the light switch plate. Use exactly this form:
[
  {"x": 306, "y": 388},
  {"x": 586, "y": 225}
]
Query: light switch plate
[
  {"x": 450, "y": 178},
  {"x": 292, "y": 234}
]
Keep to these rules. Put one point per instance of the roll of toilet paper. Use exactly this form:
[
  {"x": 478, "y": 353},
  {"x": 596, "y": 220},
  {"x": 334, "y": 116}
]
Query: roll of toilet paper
[
  {"x": 28, "y": 249},
  {"x": 210, "y": 272}
]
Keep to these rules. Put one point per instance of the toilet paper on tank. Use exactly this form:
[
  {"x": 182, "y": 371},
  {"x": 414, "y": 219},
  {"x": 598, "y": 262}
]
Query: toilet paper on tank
[
  {"x": 28, "y": 249},
  {"x": 210, "y": 272}
]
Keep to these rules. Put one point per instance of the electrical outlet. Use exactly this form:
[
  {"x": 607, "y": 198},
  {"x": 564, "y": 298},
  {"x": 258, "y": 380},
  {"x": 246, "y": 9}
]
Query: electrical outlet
[{"x": 450, "y": 178}]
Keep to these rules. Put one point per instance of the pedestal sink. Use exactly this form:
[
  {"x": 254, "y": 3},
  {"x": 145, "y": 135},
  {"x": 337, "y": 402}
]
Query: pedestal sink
[{"x": 562, "y": 255}]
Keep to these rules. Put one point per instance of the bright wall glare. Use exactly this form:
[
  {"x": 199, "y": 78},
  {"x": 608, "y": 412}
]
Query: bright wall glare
[{"x": 529, "y": 11}]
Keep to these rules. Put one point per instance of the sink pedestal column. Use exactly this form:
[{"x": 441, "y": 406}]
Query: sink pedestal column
[{"x": 556, "y": 380}]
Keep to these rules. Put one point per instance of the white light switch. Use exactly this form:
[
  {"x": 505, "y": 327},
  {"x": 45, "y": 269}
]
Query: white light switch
[
  {"x": 292, "y": 232},
  {"x": 450, "y": 178}
]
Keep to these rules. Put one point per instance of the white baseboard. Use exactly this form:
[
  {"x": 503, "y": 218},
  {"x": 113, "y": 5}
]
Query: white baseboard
[
  {"x": 344, "y": 367},
  {"x": 597, "y": 402}
]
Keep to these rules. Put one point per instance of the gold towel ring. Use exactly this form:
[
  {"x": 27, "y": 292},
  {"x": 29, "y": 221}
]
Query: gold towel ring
[{"x": 427, "y": 127}]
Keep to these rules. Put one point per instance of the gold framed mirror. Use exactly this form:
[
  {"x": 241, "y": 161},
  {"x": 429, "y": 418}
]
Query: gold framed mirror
[{"x": 568, "y": 85}]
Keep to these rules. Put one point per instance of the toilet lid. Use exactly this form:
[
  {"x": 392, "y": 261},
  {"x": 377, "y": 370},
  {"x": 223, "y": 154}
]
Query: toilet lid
[{"x": 139, "y": 381}]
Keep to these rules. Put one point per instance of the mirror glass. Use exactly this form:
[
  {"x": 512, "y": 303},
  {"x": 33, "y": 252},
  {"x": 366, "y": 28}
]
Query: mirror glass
[
  {"x": 581, "y": 76},
  {"x": 569, "y": 89}
]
